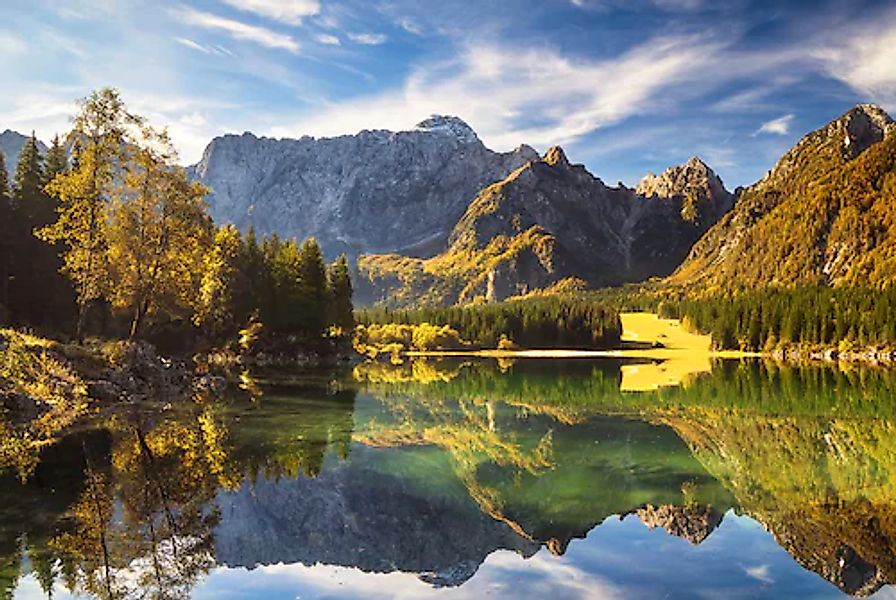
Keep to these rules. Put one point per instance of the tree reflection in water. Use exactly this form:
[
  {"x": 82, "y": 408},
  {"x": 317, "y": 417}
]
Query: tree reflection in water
[{"x": 130, "y": 505}]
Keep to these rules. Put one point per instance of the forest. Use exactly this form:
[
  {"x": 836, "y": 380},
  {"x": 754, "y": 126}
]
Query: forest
[
  {"x": 536, "y": 322},
  {"x": 773, "y": 318},
  {"x": 107, "y": 236}
]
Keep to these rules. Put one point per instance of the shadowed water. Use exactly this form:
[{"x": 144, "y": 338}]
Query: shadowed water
[{"x": 469, "y": 479}]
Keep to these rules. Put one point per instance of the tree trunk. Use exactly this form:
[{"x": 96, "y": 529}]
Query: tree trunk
[
  {"x": 82, "y": 321},
  {"x": 139, "y": 317}
]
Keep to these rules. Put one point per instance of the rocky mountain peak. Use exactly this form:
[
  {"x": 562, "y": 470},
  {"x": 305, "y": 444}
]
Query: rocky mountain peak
[
  {"x": 863, "y": 125},
  {"x": 681, "y": 180},
  {"x": 358, "y": 194},
  {"x": 556, "y": 156},
  {"x": 448, "y": 124}
]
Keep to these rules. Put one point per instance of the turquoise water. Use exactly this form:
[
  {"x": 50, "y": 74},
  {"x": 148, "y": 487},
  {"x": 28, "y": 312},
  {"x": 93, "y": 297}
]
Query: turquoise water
[{"x": 470, "y": 480}]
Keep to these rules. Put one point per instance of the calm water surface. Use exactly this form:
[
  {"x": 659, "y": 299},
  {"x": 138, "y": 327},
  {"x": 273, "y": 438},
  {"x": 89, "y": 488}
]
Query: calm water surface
[{"x": 469, "y": 480}]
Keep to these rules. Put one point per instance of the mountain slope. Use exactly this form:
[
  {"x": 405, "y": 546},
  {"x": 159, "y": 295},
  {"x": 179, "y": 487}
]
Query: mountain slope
[
  {"x": 551, "y": 221},
  {"x": 377, "y": 191},
  {"x": 825, "y": 214},
  {"x": 11, "y": 144}
]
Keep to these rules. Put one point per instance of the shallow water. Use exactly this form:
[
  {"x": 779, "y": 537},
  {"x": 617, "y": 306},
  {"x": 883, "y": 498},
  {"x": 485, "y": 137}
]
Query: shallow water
[{"x": 470, "y": 479}]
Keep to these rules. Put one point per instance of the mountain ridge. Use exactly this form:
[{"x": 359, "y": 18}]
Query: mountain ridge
[
  {"x": 823, "y": 215},
  {"x": 356, "y": 193},
  {"x": 547, "y": 222}
]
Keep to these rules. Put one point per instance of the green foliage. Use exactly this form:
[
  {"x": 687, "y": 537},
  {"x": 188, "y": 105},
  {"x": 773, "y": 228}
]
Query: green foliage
[
  {"x": 807, "y": 316},
  {"x": 284, "y": 284},
  {"x": 537, "y": 322},
  {"x": 339, "y": 285},
  {"x": 56, "y": 161},
  {"x": 38, "y": 295}
]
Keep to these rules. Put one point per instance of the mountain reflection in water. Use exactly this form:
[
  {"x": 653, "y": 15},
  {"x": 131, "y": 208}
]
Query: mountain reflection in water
[{"x": 469, "y": 478}]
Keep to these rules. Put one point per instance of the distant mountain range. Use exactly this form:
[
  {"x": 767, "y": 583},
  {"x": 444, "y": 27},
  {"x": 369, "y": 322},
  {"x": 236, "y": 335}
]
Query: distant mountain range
[
  {"x": 551, "y": 222},
  {"x": 11, "y": 144},
  {"x": 377, "y": 191},
  {"x": 435, "y": 217}
]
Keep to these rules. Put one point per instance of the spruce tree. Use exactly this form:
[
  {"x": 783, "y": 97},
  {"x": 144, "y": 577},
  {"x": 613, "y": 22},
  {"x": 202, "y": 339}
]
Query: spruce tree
[
  {"x": 340, "y": 290},
  {"x": 57, "y": 160},
  {"x": 4, "y": 178},
  {"x": 312, "y": 277},
  {"x": 6, "y": 231},
  {"x": 28, "y": 194},
  {"x": 40, "y": 295}
]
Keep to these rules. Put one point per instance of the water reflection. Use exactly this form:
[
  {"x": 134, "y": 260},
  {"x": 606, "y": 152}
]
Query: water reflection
[{"x": 462, "y": 476}]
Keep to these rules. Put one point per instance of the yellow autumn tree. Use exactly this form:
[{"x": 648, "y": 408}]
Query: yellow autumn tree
[
  {"x": 101, "y": 133},
  {"x": 158, "y": 234}
]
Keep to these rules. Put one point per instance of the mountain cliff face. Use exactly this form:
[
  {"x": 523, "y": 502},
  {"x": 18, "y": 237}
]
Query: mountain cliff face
[
  {"x": 374, "y": 192},
  {"x": 551, "y": 221},
  {"x": 11, "y": 144},
  {"x": 823, "y": 215}
]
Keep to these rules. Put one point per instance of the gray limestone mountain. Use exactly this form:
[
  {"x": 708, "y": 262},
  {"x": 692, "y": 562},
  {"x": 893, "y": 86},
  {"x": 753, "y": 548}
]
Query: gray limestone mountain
[
  {"x": 551, "y": 221},
  {"x": 354, "y": 516},
  {"x": 11, "y": 144},
  {"x": 377, "y": 191}
]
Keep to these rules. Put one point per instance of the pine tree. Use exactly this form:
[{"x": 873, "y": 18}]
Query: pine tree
[
  {"x": 340, "y": 291},
  {"x": 33, "y": 262},
  {"x": 312, "y": 278},
  {"x": 6, "y": 231},
  {"x": 56, "y": 160},
  {"x": 29, "y": 178}
]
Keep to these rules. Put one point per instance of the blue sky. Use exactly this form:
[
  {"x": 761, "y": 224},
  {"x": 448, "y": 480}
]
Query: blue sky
[{"x": 625, "y": 86}]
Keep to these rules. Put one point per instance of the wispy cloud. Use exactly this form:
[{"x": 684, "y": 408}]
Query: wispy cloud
[
  {"x": 327, "y": 39},
  {"x": 779, "y": 126},
  {"x": 760, "y": 572},
  {"x": 287, "y": 11},
  {"x": 188, "y": 43},
  {"x": 864, "y": 57},
  {"x": 410, "y": 25},
  {"x": 369, "y": 39},
  {"x": 499, "y": 88},
  {"x": 239, "y": 30}
]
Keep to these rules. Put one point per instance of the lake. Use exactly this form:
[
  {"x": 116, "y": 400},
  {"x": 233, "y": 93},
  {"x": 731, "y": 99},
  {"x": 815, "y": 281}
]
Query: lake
[{"x": 470, "y": 478}]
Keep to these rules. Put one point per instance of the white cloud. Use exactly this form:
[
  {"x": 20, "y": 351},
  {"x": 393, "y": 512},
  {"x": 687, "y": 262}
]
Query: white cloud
[
  {"x": 192, "y": 45},
  {"x": 287, "y": 11},
  {"x": 779, "y": 126},
  {"x": 327, "y": 39},
  {"x": 760, "y": 572},
  {"x": 240, "y": 30},
  {"x": 500, "y": 89},
  {"x": 864, "y": 57},
  {"x": 369, "y": 39},
  {"x": 410, "y": 25}
]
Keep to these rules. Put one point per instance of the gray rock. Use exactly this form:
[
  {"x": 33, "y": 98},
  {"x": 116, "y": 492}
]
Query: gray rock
[{"x": 374, "y": 192}]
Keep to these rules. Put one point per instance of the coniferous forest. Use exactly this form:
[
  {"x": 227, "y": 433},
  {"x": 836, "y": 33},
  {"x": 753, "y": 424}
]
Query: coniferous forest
[
  {"x": 811, "y": 317},
  {"x": 538, "y": 322}
]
